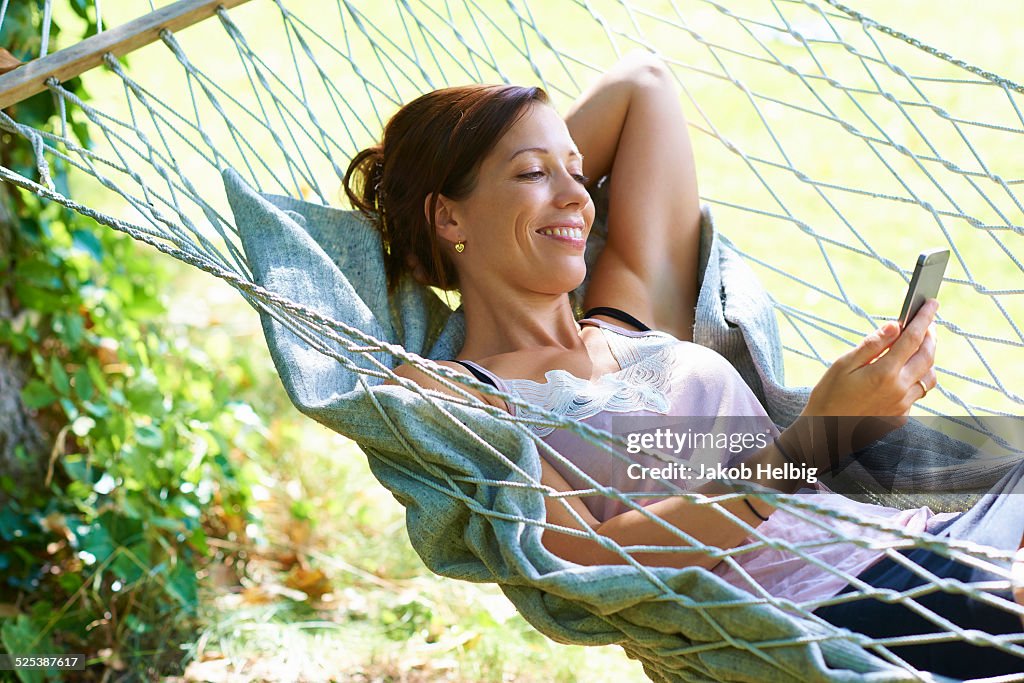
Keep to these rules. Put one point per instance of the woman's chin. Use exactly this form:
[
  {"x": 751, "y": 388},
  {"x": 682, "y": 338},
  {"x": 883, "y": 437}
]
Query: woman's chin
[
  {"x": 560, "y": 279},
  {"x": 569, "y": 284}
]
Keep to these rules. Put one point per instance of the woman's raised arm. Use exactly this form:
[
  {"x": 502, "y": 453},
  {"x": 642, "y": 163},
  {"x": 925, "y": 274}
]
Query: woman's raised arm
[{"x": 629, "y": 124}]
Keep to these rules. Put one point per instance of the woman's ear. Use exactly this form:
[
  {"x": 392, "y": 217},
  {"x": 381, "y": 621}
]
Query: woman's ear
[{"x": 447, "y": 225}]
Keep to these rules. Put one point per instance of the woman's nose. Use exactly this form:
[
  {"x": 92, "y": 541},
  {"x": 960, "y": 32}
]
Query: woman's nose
[{"x": 571, "y": 191}]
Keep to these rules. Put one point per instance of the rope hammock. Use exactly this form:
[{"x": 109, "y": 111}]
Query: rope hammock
[{"x": 237, "y": 178}]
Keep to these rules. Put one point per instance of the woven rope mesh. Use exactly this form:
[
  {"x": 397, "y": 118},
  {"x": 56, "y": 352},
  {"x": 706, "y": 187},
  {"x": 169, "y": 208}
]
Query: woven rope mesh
[{"x": 815, "y": 128}]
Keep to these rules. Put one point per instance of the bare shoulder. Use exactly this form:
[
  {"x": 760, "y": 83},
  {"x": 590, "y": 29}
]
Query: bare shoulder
[{"x": 423, "y": 379}]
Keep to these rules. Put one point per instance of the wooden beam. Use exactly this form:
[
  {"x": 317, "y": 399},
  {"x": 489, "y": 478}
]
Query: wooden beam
[{"x": 30, "y": 78}]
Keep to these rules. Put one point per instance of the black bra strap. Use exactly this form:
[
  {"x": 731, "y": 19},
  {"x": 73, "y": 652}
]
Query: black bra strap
[
  {"x": 619, "y": 315},
  {"x": 476, "y": 373}
]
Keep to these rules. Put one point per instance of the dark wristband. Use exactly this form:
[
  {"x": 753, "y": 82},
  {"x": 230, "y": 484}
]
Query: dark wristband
[{"x": 754, "y": 510}]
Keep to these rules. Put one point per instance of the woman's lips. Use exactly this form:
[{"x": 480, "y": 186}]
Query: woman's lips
[{"x": 571, "y": 236}]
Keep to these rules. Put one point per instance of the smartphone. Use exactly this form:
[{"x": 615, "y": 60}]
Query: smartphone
[{"x": 924, "y": 285}]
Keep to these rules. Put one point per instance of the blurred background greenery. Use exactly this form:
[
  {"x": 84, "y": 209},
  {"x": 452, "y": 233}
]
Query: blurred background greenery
[{"x": 183, "y": 520}]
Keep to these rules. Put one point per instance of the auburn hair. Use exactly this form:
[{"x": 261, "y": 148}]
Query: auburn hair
[{"x": 432, "y": 146}]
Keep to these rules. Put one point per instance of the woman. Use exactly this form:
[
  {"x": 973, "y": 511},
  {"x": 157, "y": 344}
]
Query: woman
[{"x": 482, "y": 188}]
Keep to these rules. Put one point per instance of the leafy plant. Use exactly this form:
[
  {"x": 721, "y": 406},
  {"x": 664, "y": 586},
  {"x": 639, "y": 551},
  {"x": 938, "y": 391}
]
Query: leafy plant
[{"x": 101, "y": 554}]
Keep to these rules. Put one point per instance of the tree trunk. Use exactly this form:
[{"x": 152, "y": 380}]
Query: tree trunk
[
  {"x": 17, "y": 426},
  {"x": 24, "y": 439}
]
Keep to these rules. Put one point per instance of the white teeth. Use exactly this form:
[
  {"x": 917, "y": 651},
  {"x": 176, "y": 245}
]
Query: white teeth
[{"x": 575, "y": 233}]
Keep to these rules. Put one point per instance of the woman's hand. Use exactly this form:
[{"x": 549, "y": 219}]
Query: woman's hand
[
  {"x": 419, "y": 273},
  {"x": 883, "y": 376}
]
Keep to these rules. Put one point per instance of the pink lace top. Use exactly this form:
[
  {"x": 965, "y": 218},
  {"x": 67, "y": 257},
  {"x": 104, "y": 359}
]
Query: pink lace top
[{"x": 661, "y": 376}]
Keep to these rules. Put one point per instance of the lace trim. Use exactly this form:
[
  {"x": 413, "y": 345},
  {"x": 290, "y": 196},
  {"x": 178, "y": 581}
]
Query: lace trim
[
  {"x": 629, "y": 351},
  {"x": 641, "y": 384}
]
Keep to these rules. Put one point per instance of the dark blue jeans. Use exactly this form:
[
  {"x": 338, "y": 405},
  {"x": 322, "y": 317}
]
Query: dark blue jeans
[
  {"x": 995, "y": 520},
  {"x": 959, "y": 658}
]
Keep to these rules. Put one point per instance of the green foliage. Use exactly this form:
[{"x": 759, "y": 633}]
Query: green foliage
[
  {"x": 150, "y": 441},
  {"x": 102, "y": 554},
  {"x": 21, "y": 30}
]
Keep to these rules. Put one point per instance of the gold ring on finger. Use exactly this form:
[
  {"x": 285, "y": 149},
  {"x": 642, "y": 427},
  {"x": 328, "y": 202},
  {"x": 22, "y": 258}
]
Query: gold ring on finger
[{"x": 924, "y": 388}]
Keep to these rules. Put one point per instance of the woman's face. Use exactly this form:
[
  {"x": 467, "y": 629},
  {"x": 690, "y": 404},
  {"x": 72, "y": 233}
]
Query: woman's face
[{"x": 527, "y": 218}]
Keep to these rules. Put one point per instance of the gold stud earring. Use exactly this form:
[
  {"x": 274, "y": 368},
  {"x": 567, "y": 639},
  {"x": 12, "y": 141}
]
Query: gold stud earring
[{"x": 460, "y": 246}]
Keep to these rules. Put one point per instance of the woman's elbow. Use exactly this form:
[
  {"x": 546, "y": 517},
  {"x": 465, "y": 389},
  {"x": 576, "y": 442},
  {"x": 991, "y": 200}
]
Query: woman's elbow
[{"x": 647, "y": 70}]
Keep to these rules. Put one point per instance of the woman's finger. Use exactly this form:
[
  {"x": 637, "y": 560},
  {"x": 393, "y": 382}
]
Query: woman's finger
[
  {"x": 920, "y": 388},
  {"x": 419, "y": 273},
  {"x": 870, "y": 347},
  {"x": 913, "y": 335},
  {"x": 923, "y": 359}
]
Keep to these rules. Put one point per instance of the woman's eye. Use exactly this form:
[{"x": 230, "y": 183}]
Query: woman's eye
[{"x": 536, "y": 175}]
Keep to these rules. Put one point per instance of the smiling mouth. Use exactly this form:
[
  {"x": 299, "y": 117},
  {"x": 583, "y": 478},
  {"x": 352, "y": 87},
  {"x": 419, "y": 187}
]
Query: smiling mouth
[{"x": 570, "y": 233}]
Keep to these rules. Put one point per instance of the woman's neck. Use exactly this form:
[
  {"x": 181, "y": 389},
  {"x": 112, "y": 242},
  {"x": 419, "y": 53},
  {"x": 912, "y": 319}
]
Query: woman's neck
[{"x": 498, "y": 323}]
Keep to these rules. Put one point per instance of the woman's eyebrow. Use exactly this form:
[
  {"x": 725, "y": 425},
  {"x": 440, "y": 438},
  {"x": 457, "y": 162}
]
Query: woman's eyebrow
[{"x": 543, "y": 150}]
